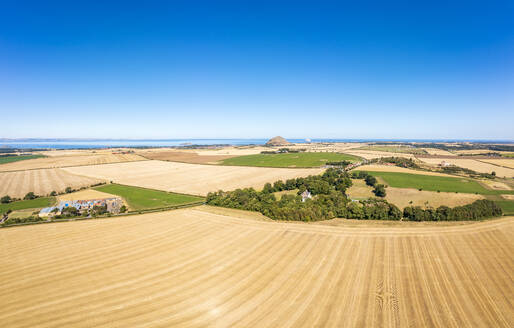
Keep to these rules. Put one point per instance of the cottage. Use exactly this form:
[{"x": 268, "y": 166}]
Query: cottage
[{"x": 306, "y": 195}]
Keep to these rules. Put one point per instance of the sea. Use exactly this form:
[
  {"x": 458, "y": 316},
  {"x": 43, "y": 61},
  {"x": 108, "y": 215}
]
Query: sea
[{"x": 147, "y": 143}]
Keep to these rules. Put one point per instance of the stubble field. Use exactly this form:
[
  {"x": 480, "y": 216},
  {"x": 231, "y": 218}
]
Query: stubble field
[
  {"x": 41, "y": 182},
  {"x": 475, "y": 165},
  {"x": 185, "y": 178},
  {"x": 195, "y": 268},
  {"x": 78, "y": 158}
]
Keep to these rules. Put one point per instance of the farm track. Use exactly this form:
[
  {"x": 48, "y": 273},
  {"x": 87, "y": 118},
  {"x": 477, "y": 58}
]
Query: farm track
[{"x": 190, "y": 267}]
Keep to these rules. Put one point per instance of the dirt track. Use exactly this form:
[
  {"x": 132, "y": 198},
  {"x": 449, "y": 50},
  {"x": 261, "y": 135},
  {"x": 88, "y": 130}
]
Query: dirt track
[{"x": 193, "y": 268}]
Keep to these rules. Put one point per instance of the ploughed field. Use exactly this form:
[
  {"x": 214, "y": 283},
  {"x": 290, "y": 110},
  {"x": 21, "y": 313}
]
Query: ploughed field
[
  {"x": 41, "y": 182},
  {"x": 304, "y": 159},
  {"x": 191, "y": 267},
  {"x": 185, "y": 178}
]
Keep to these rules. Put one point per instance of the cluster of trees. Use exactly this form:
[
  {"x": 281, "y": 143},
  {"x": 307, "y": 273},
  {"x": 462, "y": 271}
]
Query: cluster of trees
[
  {"x": 340, "y": 163},
  {"x": 283, "y": 150},
  {"x": 32, "y": 218},
  {"x": 398, "y": 161},
  {"x": 330, "y": 200},
  {"x": 378, "y": 189},
  {"x": 8, "y": 199},
  {"x": 477, "y": 210}
]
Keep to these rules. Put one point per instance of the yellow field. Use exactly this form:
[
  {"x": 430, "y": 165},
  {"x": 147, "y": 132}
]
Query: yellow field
[
  {"x": 190, "y": 268},
  {"x": 473, "y": 164},
  {"x": 435, "y": 151},
  {"x": 185, "y": 178},
  {"x": 359, "y": 190},
  {"x": 371, "y": 154},
  {"x": 85, "y": 195},
  {"x": 78, "y": 158},
  {"x": 42, "y": 182},
  {"x": 500, "y": 162},
  {"x": 402, "y": 197}
]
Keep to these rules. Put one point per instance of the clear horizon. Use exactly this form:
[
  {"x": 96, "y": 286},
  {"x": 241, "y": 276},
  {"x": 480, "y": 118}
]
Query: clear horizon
[{"x": 232, "y": 70}]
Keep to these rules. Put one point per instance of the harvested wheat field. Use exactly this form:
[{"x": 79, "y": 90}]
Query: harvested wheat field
[
  {"x": 70, "y": 160},
  {"x": 435, "y": 151},
  {"x": 473, "y": 164},
  {"x": 191, "y": 268},
  {"x": 402, "y": 197},
  {"x": 186, "y": 157},
  {"x": 191, "y": 179},
  {"x": 41, "y": 182},
  {"x": 84, "y": 195},
  {"x": 372, "y": 154},
  {"x": 500, "y": 162}
]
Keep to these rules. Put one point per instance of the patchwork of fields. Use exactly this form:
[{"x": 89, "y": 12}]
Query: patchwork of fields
[
  {"x": 41, "y": 182},
  {"x": 307, "y": 159},
  {"x": 194, "y": 268},
  {"x": 435, "y": 183},
  {"x": 184, "y": 178},
  {"x": 475, "y": 165}
]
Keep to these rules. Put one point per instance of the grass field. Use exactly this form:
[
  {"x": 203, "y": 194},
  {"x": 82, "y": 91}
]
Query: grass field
[
  {"x": 11, "y": 159},
  {"x": 192, "y": 179},
  {"x": 435, "y": 183},
  {"x": 190, "y": 268},
  {"x": 507, "y": 206},
  {"x": 142, "y": 199},
  {"x": 24, "y": 204},
  {"x": 289, "y": 159}
]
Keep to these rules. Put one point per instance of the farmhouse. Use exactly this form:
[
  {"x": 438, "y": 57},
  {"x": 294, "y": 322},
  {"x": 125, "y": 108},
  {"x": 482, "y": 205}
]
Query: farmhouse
[
  {"x": 112, "y": 205},
  {"x": 306, "y": 195}
]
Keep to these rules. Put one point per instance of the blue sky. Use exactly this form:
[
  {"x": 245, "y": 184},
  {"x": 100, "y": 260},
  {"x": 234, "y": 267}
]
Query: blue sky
[{"x": 243, "y": 69}]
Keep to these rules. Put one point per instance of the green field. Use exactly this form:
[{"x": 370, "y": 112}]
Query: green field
[
  {"x": 10, "y": 159},
  {"x": 435, "y": 183},
  {"x": 143, "y": 199},
  {"x": 506, "y": 205},
  {"x": 24, "y": 204},
  {"x": 289, "y": 159}
]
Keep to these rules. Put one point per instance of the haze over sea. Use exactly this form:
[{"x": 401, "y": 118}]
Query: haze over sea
[{"x": 108, "y": 143}]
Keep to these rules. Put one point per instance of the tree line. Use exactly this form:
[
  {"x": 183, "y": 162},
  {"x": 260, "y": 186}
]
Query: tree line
[{"x": 329, "y": 201}]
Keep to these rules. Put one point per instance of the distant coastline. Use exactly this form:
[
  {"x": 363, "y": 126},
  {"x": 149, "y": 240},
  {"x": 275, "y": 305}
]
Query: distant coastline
[{"x": 76, "y": 143}]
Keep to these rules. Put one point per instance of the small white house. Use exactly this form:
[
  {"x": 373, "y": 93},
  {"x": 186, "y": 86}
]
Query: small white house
[{"x": 306, "y": 195}]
